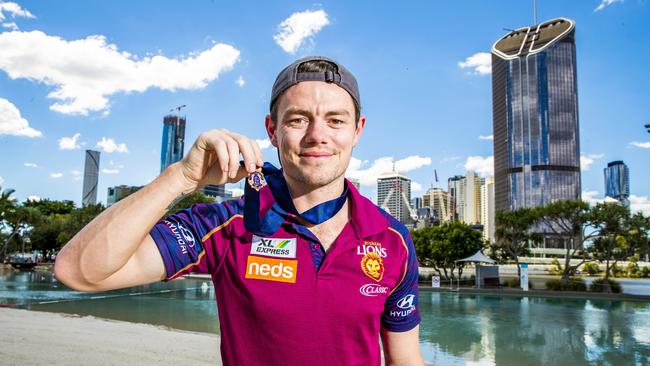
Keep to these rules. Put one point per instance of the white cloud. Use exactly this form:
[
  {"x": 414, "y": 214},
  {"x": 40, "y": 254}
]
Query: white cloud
[
  {"x": 33, "y": 198},
  {"x": 13, "y": 26},
  {"x": 15, "y": 10},
  {"x": 383, "y": 165},
  {"x": 643, "y": 145},
  {"x": 31, "y": 165},
  {"x": 11, "y": 122},
  {"x": 110, "y": 146},
  {"x": 56, "y": 175},
  {"x": 481, "y": 63},
  {"x": 240, "y": 81},
  {"x": 640, "y": 204},
  {"x": 415, "y": 186},
  {"x": 448, "y": 159},
  {"x": 486, "y": 137},
  {"x": 484, "y": 166},
  {"x": 587, "y": 159},
  {"x": 76, "y": 175},
  {"x": 298, "y": 27},
  {"x": 110, "y": 171},
  {"x": 85, "y": 72},
  {"x": 263, "y": 143},
  {"x": 69, "y": 143},
  {"x": 591, "y": 198},
  {"x": 605, "y": 3},
  {"x": 2, "y": 180}
]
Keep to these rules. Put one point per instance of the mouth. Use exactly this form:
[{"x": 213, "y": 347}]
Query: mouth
[{"x": 315, "y": 155}]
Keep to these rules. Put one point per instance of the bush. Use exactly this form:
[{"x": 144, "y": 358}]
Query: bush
[
  {"x": 591, "y": 268},
  {"x": 514, "y": 283},
  {"x": 555, "y": 268},
  {"x": 645, "y": 272},
  {"x": 617, "y": 271},
  {"x": 597, "y": 285},
  {"x": 575, "y": 284}
]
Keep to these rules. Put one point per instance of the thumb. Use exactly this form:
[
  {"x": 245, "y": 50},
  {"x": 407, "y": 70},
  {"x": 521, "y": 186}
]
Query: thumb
[{"x": 241, "y": 174}]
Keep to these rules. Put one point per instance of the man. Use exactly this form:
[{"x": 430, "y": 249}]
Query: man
[{"x": 306, "y": 270}]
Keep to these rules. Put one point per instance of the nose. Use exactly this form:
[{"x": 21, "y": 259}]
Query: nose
[{"x": 316, "y": 132}]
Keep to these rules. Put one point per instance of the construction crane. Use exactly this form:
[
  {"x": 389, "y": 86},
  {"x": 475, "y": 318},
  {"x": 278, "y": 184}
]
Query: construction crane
[{"x": 393, "y": 188}]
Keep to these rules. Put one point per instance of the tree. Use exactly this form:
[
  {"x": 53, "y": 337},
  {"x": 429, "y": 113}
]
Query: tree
[
  {"x": 441, "y": 246},
  {"x": 77, "y": 220},
  {"x": 48, "y": 207},
  {"x": 189, "y": 200},
  {"x": 513, "y": 233}
]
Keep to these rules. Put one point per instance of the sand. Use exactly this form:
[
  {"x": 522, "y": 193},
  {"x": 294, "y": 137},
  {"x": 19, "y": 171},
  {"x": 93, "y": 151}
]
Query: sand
[{"x": 41, "y": 338}]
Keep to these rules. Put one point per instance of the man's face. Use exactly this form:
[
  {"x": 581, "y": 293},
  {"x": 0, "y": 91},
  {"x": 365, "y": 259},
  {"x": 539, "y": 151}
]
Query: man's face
[{"x": 315, "y": 132}]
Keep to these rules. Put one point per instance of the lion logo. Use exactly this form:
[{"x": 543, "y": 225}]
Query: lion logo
[{"x": 373, "y": 266}]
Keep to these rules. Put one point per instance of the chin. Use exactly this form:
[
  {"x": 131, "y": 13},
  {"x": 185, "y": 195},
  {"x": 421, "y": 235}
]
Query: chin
[{"x": 315, "y": 176}]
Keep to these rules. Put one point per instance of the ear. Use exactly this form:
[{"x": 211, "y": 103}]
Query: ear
[
  {"x": 357, "y": 133},
  {"x": 271, "y": 128}
]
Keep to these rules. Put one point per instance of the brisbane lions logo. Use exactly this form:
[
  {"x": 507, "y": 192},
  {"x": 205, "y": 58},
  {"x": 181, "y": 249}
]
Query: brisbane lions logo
[{"x": 373, "y": 266}]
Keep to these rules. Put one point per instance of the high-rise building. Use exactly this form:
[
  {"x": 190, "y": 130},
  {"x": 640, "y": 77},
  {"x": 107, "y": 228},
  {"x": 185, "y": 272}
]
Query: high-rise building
[
  {"x": 535, "y": 113},
  {"x": 416, "y": 203},
  {"x": 472, "y": 210},
  {"x": 394, "y": 195},
  {"x": 91, "y": 177},
  {"x": 440, "y": 203},
  {"x": 118, "y": 193},
  {"x": 617, "y": 182},
  {"x": 487, "y": 209},
  {"x": 456, "y": 190},
  {"x": 214, "y": 190},
  {"x": 173, "y": 140}
]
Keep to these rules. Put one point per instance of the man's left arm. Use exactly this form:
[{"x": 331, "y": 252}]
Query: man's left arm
[{"x": 402, "y": 348}]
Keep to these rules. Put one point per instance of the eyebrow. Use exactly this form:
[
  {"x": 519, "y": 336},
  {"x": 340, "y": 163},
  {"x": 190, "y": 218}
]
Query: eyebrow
[{"x": 305, "y": 112}]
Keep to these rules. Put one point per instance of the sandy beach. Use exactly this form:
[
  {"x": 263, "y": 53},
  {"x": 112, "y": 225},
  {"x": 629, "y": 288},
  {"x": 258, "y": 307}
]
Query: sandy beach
[{"x": 41, "y": 338}]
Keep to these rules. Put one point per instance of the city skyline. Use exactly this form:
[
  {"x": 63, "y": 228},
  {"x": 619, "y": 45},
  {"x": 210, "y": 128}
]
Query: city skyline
[{"x": 433, "y": 112}]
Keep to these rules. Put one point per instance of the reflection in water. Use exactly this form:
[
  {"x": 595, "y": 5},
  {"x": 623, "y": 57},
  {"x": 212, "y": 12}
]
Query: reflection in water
[{"x": 455, "y": 330}]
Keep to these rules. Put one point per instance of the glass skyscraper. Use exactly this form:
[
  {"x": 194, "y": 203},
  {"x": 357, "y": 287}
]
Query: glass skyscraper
[
  {"x": 617, "y": 181},
  {"x": 173, "y": 140},
  {"x": 91, "y": 177},
  {"x": 535, "y": 115}
]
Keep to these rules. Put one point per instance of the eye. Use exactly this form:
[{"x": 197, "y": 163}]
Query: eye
[
  {"x": 336, "y": 122},
  {"x": 297, "y": 121}
]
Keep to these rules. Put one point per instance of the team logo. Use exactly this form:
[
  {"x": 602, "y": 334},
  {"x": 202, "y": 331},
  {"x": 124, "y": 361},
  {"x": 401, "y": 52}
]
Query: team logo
[
  {"x": 373, "y": 289},
  {"x": 373, "y": 266},
  {"x": 274, "y": 247},
  {"x": 256, "y": 180},
  {"x": 269, "y": 269},
  {"x": 371, "y": 246}
]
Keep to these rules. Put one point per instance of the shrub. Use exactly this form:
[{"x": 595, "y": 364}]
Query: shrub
[
  {"x": 555, "y": 268},
  {"x": 632, "y": 269},
  {"x": 591, "y": 268},
  {"x": 645, "y": 272},
  {"x": 597, "y": 285},
  {"x": 617, "y": 271},
  {"x": 514, "y": 283},
  {"x": 575, "y": 284}
]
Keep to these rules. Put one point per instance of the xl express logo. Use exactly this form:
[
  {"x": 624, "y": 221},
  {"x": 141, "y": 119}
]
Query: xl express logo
[{"x": 274, "y": 247}]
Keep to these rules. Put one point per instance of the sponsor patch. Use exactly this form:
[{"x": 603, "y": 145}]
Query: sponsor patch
[
  {"x": 274, "y": 247},
  {"x": 373, "y": 266},
  {"x": 373, "y": 289},
  {"x": 407, "y": 306},
  {"x": 269, "y": 269},
  {"x": 184, "y": 237}
]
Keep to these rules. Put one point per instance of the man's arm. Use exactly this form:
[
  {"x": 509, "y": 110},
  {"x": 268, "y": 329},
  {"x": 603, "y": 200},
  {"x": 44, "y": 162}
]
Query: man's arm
[
  {"x": 402, "y": 348},
  {"x": 115, "y": 250}
]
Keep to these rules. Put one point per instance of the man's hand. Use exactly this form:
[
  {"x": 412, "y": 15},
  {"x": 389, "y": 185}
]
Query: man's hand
[{"x": 214, "y": 159}]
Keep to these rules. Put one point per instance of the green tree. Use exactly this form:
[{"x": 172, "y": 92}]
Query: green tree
[
  {"x": 77, "y": 220},
  {"x": 441, "y": 246},
  {"x": 513, "y": 233},
  {"x": 48, "y": 207},
  {"x": 189, "y": 200}
]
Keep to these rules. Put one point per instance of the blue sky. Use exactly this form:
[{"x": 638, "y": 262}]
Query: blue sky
[{"x": 101, "y": 75}]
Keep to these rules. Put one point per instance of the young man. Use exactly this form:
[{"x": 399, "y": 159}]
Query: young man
[{"x": 306, "y": 270}]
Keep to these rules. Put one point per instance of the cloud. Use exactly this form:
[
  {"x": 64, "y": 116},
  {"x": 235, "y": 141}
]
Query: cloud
[
  {"x": 481, "y": 63},
  {"x": 484, "y": 166},
  {"x": 448, "y": 159},
  {"x": 15, "y": 10},
  {"x": 605, "y": 3},
  {"x": 240, "y": 81},
  {"x": 590, "y": 197},
  {"x": 13, "y": 26},
  {"x": 33, "y": 198},
  {"x": 110, "y": 171},
  {"x": 263, "y": 143},
  {"x": 76, "y": 175},
  {"x": 588, "y": 159},
  {"x": 30, "y": 165},
  {"x": 11, "y": 123},
  {"x": 486, "y": 137},
  {"x": 383, "y": 165},
  {"x": 2, "y": 180},
  {"x": 56, "y": 175},
  {"x": 110, "y": 146},
  {"x": 640, "y": 204},
  {"x": 86, "y": 72},
  {"x": 298, "y": 27},
  {"x": 69, "y": 143},
  {"x": 643, "y": 145},
  {"x": 415, "y": 186}
]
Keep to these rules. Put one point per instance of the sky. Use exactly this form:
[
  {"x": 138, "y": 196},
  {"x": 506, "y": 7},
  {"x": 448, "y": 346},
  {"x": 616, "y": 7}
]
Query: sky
[{"x": 101, "y": 75}]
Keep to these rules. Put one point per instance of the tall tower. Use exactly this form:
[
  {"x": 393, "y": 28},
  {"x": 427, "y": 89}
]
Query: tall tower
[
  {"x": 617, "y": 182},
  {"x": 394, "y": 195},
  {"x": 535, "y": 115},
  {"x": 173, "y": 140},
  {"x": 91, "y": 175}
]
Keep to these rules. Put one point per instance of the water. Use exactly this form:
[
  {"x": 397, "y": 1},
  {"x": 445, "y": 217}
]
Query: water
[{"x": 455, "y": 329}]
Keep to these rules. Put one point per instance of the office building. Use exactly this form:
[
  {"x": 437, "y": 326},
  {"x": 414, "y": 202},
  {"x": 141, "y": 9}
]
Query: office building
[
  {"x": 217, "y": 191},
  {"x": 617, "y": 182},
  {"x": 440, "y": 203},
  {"x": 91, "y": 178},
  {"x": 118, "y": 193},
  {"x": 394, "y": 196},
  {"x": 173, "y": 140},
  {"x": 535, "y": 115},
  {"x": 456, "y": 190},
  {"x": 488, "y": 209}
]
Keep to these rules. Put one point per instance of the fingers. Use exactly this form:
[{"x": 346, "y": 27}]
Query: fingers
[{"x": 228, "y": 146}]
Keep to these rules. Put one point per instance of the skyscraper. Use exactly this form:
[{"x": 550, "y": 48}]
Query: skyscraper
[
  {"x": 535, "y": 113},
  {"x": 617, "y": 182},
  {"x": 173, "y": 140},
  {"x": 117, "y": 193},
  {"x": 440, "y": 203},
  {"x": 487, "y": 209},
  {"x": 456, "y": 189},
  {"x": 394, "y": 195},
  {"x": 91, "y": 175}
]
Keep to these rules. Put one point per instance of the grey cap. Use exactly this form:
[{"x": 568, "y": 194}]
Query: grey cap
[{"x": 290, "y": 77}]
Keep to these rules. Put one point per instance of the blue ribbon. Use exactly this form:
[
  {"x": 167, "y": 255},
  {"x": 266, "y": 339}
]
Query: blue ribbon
[{"x": 267, "y": 223}]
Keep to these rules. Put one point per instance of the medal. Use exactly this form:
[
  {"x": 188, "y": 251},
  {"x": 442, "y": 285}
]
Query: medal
[{"x": 256, "y": 180}]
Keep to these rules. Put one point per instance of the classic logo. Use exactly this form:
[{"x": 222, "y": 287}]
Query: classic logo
[
  {"x": 405, "y": 303},
  {"x": 373, "y": 289},
  {"x": 371, "y": 246},
  {"x": 373, "y": 266},
  {"x": 274, "y": 247},
  {"x": 280, "y": 270}
]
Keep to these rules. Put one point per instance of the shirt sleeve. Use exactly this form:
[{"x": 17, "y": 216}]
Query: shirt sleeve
[
  {"x": 182, "y": 238},
  {"x": 401, "y": 311}
]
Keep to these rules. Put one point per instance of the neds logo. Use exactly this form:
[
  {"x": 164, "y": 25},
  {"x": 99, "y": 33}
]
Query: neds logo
[{"x": 280, "y": 270}]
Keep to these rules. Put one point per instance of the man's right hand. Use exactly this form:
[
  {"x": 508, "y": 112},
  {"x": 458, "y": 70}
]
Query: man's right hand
[{"x": 214, "y": 159}]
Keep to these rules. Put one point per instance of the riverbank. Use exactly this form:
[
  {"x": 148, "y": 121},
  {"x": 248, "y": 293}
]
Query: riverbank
[{"x": 40, "y": 338}]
